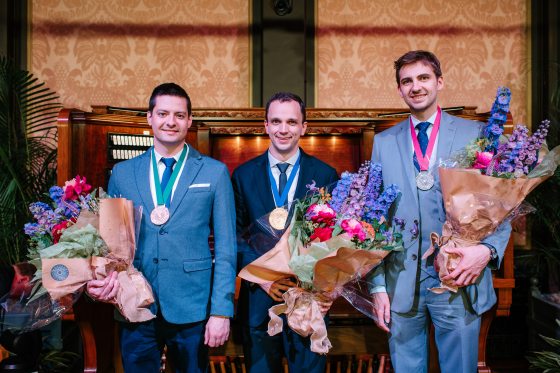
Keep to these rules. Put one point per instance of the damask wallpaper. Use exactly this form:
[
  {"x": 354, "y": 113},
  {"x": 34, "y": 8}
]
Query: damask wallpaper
[
  {"x": 481, "y": 44},
  {"x": 115, "y": 51}
]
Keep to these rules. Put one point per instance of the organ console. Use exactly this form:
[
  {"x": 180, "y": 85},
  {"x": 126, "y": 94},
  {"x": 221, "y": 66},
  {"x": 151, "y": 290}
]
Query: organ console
[{"x": 91, "y": 143}]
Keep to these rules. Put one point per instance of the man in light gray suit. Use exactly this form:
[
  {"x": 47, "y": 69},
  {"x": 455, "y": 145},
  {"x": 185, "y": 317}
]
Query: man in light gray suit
[
  {"x": 183, "y": 194},
  {"x": 403, "y": 305}
]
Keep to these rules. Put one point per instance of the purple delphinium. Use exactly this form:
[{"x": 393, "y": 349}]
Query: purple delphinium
[
  {"x": 381, "y": 205},
  {"x": 498, "y": 116},
  {"x": 399, "y": 223},
  {"x": 353, "y": 206},
  {"x": 44, "y": 215},
  {"x": 518, "y": 156},
  {"x": 340, "y": 192}
]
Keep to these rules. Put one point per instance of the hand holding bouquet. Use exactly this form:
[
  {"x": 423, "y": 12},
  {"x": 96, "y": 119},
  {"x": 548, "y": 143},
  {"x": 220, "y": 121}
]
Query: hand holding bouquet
[
  {"x": 485, "y": 184},
  {"x": 85, "y": 236},
  {"x": 332, "y": 240}
]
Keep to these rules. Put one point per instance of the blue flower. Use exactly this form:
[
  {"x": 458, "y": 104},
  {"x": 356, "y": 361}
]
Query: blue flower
[{"x": 56, "y": 193}]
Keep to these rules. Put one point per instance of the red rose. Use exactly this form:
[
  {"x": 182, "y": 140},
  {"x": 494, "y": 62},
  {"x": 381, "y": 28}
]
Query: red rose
[
  {"x": 322, "y": 234},
  {"x": 61, "y": 227}
]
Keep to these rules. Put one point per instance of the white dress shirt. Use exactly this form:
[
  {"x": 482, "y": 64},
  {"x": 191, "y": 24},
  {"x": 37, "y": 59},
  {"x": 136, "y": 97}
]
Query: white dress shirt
[{"x": 161, "y": 169}]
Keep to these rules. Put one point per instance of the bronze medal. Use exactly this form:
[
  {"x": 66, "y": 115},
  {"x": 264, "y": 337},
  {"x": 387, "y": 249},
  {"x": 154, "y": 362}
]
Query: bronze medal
[
  {"x": 278, "y": 218},
  {"x": 159, "y": 215}
]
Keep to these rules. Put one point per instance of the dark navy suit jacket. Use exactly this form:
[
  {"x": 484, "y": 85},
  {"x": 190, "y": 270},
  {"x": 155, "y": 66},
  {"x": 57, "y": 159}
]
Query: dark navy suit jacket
[{"x": 253, "y": 199}]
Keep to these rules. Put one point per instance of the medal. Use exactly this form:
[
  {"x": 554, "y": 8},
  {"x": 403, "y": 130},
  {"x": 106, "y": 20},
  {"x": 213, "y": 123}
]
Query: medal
[
  {"x": 424, "y": 180},
  {"x": 277, "y": 218},
  {"x": 159, "y": 215}
]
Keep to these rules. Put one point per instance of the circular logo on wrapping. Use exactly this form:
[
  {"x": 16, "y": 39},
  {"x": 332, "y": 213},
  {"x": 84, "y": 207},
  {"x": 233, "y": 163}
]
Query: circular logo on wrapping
[{"x": 59, "y": 272}]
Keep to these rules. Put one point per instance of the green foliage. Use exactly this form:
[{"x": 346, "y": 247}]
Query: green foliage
[
  {"x": 28, "y": 111},
  {"x": 546, "y": 361},
  {"x": 57, "y": 361}
]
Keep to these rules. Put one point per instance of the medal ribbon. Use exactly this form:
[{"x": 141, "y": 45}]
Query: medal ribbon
[
  {"x": 280, "y": 200},
  {"x": 162, "y": 197},
  {"x": 424, "y": 160}
]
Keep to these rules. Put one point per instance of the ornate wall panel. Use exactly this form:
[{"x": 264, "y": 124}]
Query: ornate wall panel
[
  {"x": 482, "y": 44},
  {"x": 115, "y": 51}
]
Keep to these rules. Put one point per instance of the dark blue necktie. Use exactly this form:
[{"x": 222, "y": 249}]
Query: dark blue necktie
[
  {"x": 169, "y": 162},
  {"x": 283, "y": 177},
  {"x": 422, "y": 140}
]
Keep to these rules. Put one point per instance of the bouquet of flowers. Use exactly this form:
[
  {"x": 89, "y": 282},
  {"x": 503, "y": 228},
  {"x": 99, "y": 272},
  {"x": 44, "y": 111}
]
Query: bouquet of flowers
[
  {"x": 82, "y": 236},
  {"x": 332, "y": 239},
  {"x": 486, "y": 183}
]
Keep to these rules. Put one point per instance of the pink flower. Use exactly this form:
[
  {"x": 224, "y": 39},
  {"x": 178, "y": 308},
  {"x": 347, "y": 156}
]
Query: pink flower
[
  {"x": 354, "y": 228},
  {"x": 483, "y": 159},
  {"x": 75, "y": 188},
  {"x": 320, "y": 213},
  {"x": 322, "y": 234}
]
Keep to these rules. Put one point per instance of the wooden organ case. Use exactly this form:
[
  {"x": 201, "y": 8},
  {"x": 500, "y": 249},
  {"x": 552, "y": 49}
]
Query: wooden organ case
[{"x": 90, "y": 143}]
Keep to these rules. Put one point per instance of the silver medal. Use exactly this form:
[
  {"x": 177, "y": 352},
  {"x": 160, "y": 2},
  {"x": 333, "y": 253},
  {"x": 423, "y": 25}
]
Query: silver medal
[{"x": 424, "y": 180}]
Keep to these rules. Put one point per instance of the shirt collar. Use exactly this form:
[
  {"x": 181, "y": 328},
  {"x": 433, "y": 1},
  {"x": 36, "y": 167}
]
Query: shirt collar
[
  {"x": 292, "y": 160},
  {"x": 176, "y": 156},
  {"x": 431, "y": 119}
]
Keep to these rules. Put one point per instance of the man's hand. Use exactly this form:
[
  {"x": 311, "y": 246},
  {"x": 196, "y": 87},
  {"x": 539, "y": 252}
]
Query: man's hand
[
  {"x": 104, "y": 290},
  {"x": 381, "y": 310},
  {"x": 324, "y": 303},
  {"x": 473, "y": 261},
  {"x": 217, "y": 331},
  {"x": 279, "y": 287}
]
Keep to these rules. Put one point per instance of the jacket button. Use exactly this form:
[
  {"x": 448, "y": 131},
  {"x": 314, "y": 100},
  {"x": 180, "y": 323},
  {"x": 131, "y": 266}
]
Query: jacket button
[
  {"x": 162, "y": 231},
  {"x": 413, "y": 257},
  {"x": 156, "y": 260}
]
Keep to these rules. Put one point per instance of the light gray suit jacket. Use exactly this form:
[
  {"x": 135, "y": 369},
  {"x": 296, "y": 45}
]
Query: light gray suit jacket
[
  {"x": 398, "y": 273},
  {"x": 175, "y": 257}
]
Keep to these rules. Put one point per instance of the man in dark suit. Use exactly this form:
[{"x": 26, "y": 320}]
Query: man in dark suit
[
  {"x": 261, "y": 185},
  {"x": 183, "y": 194}
]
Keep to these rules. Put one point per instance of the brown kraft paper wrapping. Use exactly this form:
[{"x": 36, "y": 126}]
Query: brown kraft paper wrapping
[
  {"x": 65, "y": 276},
  {"x": 116, "y": 227},
  {"x": 475, "y": 206},
  {"x": 300, "y": 306}
]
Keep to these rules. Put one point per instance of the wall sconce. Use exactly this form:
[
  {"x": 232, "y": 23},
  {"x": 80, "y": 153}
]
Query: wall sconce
[{"x": 282, "y": 7}]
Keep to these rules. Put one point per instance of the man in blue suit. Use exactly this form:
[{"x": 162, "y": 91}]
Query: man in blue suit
[
  {"x": 260, "y": 185},
  {"x": 183, "y": 195},
  {"x": 403, "y": 305}
]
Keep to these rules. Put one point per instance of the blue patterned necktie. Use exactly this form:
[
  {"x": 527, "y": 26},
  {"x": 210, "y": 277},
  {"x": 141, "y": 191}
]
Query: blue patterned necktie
[
  {"x": 283, "y": 177},
  {"x": 422, "y": 140},
  {"x": 169, "y": 162}
]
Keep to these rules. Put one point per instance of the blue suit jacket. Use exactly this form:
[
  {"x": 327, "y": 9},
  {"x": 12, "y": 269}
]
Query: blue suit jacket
[
  {"x": 398, "y": 273},
  {"x": 253, "y": 199},
  {"x": 175, "y": 257}
]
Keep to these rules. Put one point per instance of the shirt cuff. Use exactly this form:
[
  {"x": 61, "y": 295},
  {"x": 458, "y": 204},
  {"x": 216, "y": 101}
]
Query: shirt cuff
[{"x": 378, "y": 289}]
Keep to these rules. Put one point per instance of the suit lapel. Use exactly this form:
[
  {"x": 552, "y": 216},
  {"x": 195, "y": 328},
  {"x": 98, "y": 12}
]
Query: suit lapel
[
  {"x": 191, "y": 169},
  {"x": 143, "y": 179},
  {"x": 445, "y": 139},
  {"x": 405, "y": 152},
  {"x": 306, "y": 174},
  {"x": 262, "y": 183}
]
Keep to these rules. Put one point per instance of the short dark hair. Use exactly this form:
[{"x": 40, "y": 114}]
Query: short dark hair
[
  {"x": 285, "y": 97},
  {"x": 169, "y": 89},
  {"x": 415, "y": 56},
  {"x": 26, "y": 269}
]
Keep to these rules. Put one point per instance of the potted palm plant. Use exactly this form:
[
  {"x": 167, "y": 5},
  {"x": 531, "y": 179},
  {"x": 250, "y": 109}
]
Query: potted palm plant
[{"x": 28, "y": 140}]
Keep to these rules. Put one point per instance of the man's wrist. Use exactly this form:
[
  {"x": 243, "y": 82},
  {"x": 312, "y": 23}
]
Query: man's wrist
[{"x": 220, "y": 316}]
